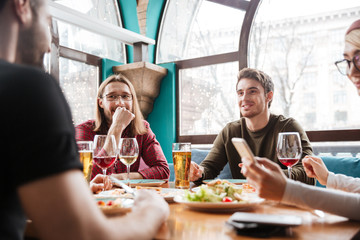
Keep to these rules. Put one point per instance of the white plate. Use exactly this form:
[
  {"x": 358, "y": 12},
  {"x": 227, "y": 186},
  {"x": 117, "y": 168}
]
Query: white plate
[
  {"x": 144, "y": 182},
  {"x": 221, "y": 206},
  {"x": 113, "y": 193},
  {"x": 234, "y": 181},
  {"x": 114, "y": 210},
  {"x": 170, "y": 193},
  {"x": 167, "y": 193}
]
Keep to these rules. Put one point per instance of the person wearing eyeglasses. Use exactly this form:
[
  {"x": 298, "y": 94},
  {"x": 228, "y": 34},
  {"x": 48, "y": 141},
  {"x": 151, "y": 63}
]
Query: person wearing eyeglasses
[
  {"x": 118, "y": 113},
  {"x": 342, "y": 193}
]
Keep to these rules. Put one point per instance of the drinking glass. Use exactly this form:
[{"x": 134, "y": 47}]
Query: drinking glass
[
  {"x": 104, "y": 151},
  {"x": 182, "y": 160},
  {"x": 289, "y": 149},
  {"x": 128, "y": 153},
  {"x": 86, "y": 157}
]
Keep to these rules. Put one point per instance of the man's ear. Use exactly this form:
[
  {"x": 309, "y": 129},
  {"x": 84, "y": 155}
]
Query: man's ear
[
  {"x": 23, "y": 10},
  {"x": 269, "y": 96}
]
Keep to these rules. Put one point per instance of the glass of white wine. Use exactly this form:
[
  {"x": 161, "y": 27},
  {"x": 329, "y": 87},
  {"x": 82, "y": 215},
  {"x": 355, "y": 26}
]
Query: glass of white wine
[{"x": 128, "y": 153}]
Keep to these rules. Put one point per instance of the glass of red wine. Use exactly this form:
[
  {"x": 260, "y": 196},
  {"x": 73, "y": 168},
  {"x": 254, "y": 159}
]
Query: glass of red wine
[
  {"x": 104, "y": 151},
  {"x": 289, "y": 149}
]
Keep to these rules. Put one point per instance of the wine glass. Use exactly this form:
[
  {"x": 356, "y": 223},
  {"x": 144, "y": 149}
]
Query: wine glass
[
  {"x": 128, "y": 153},
  {"x": 104, "y": 151},
  {"x": 289, "y": 149}
]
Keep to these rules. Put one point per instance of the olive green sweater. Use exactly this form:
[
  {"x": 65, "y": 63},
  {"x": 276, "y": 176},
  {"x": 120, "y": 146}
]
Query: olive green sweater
[{"x": 262, "y": 143}]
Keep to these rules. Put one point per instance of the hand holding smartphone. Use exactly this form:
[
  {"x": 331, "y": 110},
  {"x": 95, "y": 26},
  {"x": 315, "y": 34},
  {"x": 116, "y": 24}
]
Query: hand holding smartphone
[{"x": 243, "y": 149}]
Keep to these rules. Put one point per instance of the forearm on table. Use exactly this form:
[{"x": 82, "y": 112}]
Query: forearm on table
[
  {"x": 329, "y": 200},
  {"x": 132, "y": 175}
]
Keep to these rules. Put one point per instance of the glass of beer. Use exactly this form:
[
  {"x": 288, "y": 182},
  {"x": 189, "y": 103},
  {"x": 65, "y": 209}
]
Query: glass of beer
[
  {"x": 86, "y": 157},
  {"x": 182, "y": 159}
]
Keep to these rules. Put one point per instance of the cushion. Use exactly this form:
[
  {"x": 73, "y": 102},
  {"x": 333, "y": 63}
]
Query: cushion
[{"x": 349, "y": 166}]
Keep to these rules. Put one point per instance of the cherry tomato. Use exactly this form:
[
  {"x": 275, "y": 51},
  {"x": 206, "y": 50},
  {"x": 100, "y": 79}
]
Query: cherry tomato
[
  {"x": 101, "y": 203},
  {"x": 110, "y": 203},
  {"x": 227, "y": 199}
]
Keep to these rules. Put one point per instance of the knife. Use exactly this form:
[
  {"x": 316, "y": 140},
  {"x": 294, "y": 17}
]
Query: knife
[{"x": 123, "y": 185}]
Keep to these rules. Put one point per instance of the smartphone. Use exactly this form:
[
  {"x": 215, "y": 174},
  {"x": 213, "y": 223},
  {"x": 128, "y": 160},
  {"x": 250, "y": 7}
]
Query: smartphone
[
  {"x": 266, "y": 219},
  {"x": 243, "y": 149}
]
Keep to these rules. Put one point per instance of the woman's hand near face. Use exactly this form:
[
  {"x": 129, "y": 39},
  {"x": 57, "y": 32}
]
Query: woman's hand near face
[
  {"x": 266, "y": 177},
  {"x": 315, "y": 168}
]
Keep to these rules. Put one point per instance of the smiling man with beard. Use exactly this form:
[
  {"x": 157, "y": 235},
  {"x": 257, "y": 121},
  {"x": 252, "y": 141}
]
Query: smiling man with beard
[{"x": 257, "y": 126}]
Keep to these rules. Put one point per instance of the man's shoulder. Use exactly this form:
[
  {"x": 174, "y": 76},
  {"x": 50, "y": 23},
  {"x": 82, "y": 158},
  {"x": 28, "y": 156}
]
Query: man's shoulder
[
  {"x": 285, "y": 123},
  {"x": 231, "y": 127},
  {"x": 15, "y": 75},
  {"x": 23, "y": 72},
  {"x": 281, "y": 118}
]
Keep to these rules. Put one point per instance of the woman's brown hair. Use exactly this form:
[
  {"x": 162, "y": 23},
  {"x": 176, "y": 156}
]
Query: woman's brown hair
[{"x": 136, "y": 127}]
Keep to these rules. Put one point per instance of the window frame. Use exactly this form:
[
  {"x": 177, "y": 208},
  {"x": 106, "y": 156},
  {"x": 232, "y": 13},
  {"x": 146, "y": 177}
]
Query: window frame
[{"x": 241, "y": 56}]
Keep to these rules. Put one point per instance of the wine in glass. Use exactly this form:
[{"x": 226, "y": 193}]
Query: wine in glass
[
  {"x": 128, "y": 153},
  {"x": 104, "y": 151},
  {"x": 289, "y": 149}
]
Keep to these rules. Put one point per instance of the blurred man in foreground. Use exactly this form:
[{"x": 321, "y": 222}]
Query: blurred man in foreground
[{"x": 39, "y": 153}]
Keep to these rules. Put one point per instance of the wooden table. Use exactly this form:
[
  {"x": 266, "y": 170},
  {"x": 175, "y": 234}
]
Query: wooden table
[{"x": 184, "y": 223}]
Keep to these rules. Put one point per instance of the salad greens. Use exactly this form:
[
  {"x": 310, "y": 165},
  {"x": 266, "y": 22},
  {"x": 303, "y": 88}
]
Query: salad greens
[{"x": 215, "y": 191}]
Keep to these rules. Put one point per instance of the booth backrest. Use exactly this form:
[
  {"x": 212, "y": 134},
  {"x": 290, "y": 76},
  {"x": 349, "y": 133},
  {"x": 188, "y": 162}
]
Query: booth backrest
[{"x": 349, "y": 166}]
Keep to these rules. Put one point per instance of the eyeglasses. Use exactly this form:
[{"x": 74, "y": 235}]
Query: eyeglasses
[
  {"x": 115, "y": 97},
  {"x": 344, "y": 65}
]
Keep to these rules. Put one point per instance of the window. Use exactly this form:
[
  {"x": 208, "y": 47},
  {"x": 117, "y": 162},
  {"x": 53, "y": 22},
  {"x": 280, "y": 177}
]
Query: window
[
  {"x": 76, "y": 60},
  {"x": 339, "y": 97},
  {"x": 297, "y": 48},
  {"x": 340, "y": 116},
  {"x": 197, "y": 28},
  {"x": 79, "y": 39},
  {"x": 310, "y": 118},
  {"x": 79, "y": 82},
  {"x": 308, "y": 81},
  {"x": 208, "y": 98}
]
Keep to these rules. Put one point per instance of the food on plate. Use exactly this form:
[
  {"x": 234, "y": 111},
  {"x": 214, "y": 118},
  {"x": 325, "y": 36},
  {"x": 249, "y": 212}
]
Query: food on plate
[
  {"x": 216, "y": 191},
  {"x": 248, "y": 188},
  {"x": 157, "y": 189},
  {"x": 117, "y": 203},
  {"x": 118, "y": 191}
]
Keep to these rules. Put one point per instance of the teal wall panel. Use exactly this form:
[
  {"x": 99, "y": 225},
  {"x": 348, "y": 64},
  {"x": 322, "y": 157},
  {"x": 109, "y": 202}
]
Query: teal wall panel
[
  {"x": 163, "y": 117},
  {"x": 153, "y": 18},
  {"x": 106, "y": 66},
  {"x": 130, "y": 21}
]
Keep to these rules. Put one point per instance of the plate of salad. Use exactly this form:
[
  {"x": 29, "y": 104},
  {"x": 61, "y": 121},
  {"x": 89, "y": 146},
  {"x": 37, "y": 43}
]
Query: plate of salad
[{"x": 219, "y": 196}]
